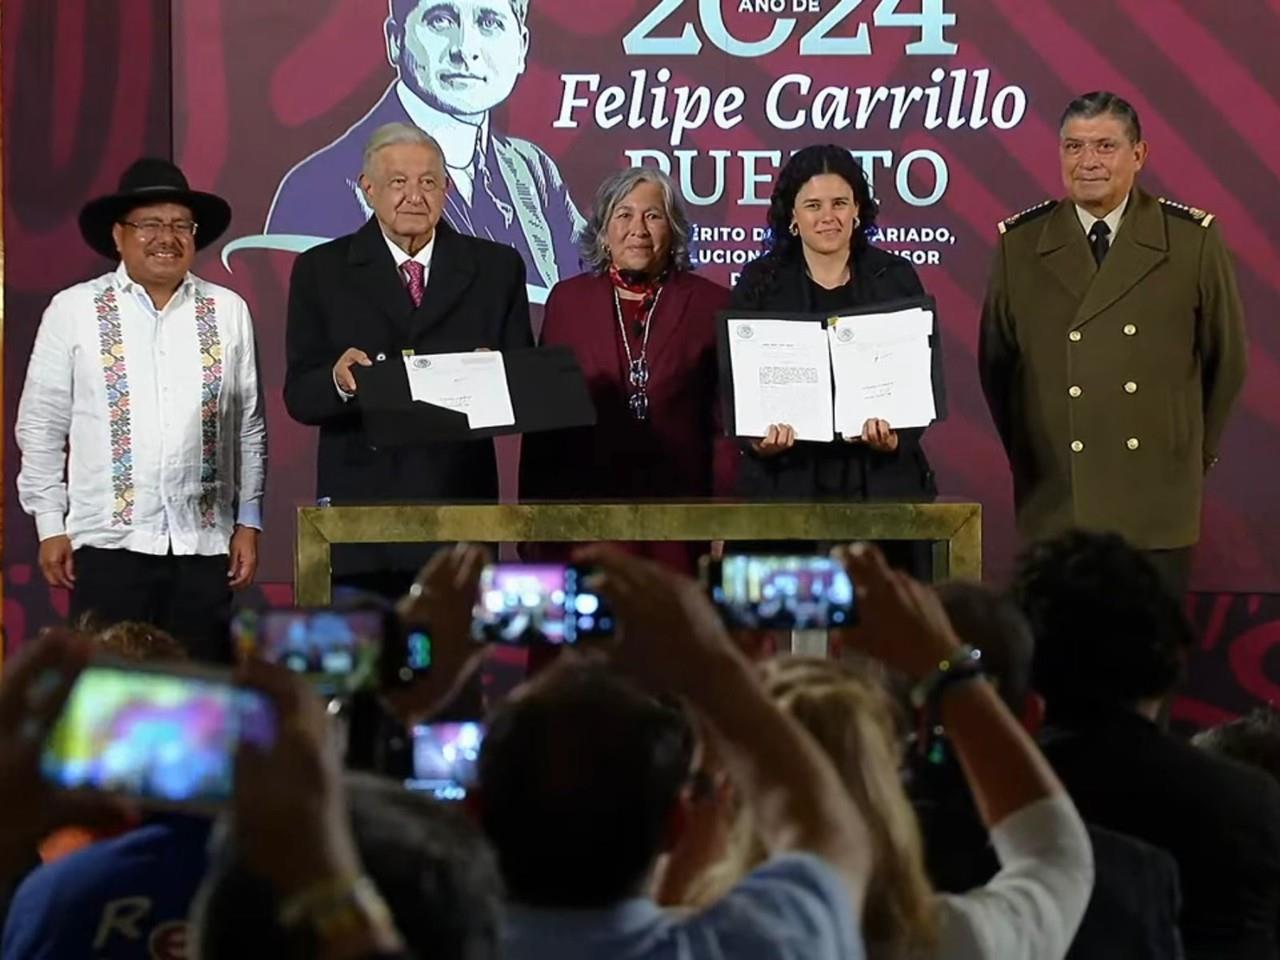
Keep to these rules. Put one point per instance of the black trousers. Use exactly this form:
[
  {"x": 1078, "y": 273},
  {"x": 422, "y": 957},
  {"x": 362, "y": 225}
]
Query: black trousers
[{"x": 186, "y": 596}]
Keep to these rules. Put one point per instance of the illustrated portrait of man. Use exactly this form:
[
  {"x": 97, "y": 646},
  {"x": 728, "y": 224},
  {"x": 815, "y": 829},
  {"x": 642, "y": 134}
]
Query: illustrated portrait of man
[{"x": 456, "y": 60}]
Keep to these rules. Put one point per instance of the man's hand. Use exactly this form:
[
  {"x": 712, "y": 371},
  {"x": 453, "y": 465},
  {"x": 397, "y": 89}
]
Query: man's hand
[
  {"x": 56, "y": 561},
  {"x": 242, "y": 557},
  {"x": 780, "y": 438},
  {"x": 289, "y": 811},
  {"x": 37, "y": 682},
  {"x": 342, "y": 375},
  {"x": 441, "y": 601},
  {"x": 901, "y": 622},
  {"x": 671, "y": 637},
  {"x": 878, "y": 435}
]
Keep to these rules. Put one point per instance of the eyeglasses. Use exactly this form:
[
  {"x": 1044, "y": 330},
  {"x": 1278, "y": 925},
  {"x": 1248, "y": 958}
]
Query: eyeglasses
[
  {"x": 638, "y": 400},
  {"x": 150, "y": 229}
]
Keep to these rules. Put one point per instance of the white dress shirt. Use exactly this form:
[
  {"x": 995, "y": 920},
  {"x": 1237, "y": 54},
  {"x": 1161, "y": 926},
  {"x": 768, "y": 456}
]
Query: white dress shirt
[
  {"x": 423, "y": 256},
  {"x": 1112, "y": 219},
  {"x": 143, "y": 429}
]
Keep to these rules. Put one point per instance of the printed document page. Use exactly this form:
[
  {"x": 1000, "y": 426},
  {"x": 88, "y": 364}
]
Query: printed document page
[
  {"x": 471, "y": 383},
  {"x": 781, "y": 374},
  {"x": 882, "y": 364}
]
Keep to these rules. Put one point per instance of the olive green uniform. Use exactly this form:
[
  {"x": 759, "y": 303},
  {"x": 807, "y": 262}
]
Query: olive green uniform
[{"x": 1110, "y": 386}]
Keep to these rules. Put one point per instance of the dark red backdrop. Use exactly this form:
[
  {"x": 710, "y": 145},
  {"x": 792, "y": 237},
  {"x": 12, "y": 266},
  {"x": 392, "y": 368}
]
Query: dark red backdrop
[{"x": 252, "y": 86}]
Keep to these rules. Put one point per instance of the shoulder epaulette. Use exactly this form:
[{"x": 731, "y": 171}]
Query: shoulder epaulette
[
  {"x": 1194, "y": 214},
  {"x": 1027, "y": 215}
]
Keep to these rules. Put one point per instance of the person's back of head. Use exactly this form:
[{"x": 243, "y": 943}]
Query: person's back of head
[
  {"x": 1253, "y": 739},
  {"x": 579, "y": 774},
  {"x": 133, "y": 640},
  {"x": 429, "y": 863},
  {"x": 993, "y": 624},
  {"x": 1107, "y": 631}
]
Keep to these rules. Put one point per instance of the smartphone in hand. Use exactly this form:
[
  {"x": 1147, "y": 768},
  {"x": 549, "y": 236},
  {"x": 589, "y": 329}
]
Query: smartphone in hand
[
  {"x": 780, "y": 592},
  {"x": 163, "y": 735},
  {"x": 524, "y": 603},
  {"x": 341, "y": 651}
]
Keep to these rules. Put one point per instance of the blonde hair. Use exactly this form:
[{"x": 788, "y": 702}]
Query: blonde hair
[{"x": 852, "y": 718}]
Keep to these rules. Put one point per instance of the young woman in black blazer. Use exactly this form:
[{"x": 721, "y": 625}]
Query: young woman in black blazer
[{"x": 818, "y": 258}]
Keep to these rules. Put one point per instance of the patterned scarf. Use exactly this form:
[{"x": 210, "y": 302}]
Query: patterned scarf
[{"x": 637, "y": 281}]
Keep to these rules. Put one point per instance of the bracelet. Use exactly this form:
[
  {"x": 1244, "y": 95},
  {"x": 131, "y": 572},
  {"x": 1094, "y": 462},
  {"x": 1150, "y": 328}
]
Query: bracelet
[
  {"x": 964, "y": 664},
  {"x": 336, "y": 908}
]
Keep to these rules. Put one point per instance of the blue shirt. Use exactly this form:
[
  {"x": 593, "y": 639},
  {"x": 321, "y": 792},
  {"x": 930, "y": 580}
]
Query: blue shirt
[
  {"x": 126, "y": 897},
  {"x": 792, "y": 908}
]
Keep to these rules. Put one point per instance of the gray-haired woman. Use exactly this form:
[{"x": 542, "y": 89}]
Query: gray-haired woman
[{"x": 642, "y": 327}]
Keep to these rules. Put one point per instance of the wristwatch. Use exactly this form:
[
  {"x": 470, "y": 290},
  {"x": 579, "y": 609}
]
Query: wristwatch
[{"x": 964, "y": 664}]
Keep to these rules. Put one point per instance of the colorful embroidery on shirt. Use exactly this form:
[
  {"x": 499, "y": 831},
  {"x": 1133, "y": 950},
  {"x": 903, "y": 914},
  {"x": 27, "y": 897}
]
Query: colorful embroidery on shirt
[
  {"x": 211, "y": 388},
  {"x": 114, "y": 373}
]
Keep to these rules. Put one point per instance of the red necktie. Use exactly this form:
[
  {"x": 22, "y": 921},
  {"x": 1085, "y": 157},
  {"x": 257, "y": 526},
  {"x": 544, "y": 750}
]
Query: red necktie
[{"x": 414, "y": 278}]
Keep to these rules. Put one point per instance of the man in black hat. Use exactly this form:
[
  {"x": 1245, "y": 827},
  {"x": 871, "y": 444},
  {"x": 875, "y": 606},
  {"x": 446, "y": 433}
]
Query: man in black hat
[{"x": 141, "y": 423}]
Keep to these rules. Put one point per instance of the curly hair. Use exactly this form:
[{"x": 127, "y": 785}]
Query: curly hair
[
  {"x": 1107, "y": 630},
  {"x": 780, "y": 246}
]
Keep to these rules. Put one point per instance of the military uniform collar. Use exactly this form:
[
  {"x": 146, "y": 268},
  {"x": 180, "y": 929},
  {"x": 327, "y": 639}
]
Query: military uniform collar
[
  {"x": 1144, "y": 225},
  {"x": 1112, "y": 219}
]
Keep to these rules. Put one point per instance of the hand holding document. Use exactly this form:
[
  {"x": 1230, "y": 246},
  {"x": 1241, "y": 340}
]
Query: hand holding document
[
  {"x": 882, "y": 366},
  {"x": 471, "y": 383},
  {"x": 781, "y": 374}
]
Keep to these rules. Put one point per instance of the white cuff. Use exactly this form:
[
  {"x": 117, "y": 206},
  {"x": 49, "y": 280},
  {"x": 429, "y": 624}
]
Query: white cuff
[
  {"x": 342, "y": 393},
  {"x": 50, "y": 525},
  {"x": 250, "y": 514}
]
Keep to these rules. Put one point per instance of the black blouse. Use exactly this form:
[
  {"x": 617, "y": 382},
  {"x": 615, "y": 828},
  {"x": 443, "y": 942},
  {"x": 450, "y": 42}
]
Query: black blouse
[{"x": 837, "y": 470}]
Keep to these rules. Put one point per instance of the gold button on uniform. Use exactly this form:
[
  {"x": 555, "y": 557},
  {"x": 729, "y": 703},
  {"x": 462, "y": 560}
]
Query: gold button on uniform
[
  {"x": 1074, "y": 336},
  {"x": 1132, "y": 443},
  {"x": 1130, "y": 330},
  {"x": 1075, "y": 391},
  {"x": 1076, "y": 446},
  {"x": 1130, "y": 387}
]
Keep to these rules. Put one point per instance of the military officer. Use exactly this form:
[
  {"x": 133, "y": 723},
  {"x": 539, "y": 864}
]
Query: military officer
[{"x": 1112, "y": 347}]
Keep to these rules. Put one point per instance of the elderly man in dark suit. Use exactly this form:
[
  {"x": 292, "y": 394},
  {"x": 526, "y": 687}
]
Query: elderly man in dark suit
[
  {"x": 403, "y": 281},
  {"x": 456, "y": 61},
  {"x": 1112, "y": 347}
]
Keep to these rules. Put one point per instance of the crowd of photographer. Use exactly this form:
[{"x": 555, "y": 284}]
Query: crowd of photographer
[{"x": 658, "y": 792}]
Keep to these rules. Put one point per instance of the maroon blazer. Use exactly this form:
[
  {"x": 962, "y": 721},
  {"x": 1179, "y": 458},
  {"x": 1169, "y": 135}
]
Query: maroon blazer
[{"x": 680, "y": 451}]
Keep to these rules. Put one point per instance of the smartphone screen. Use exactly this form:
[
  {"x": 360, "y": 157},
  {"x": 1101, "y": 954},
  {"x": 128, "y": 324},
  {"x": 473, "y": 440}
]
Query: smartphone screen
[
  {"x": 782, "y": 593},
  {"x": 339, "y": 651},
  {"x": 156, "y": 735},
  {"x": 417, "y": 653},
  {"x": 538, "y": 603},
  {"x": 445, "y": 756}
]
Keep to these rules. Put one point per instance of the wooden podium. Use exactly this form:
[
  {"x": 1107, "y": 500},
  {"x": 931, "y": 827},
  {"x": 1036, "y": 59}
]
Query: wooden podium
[{"x": 954, "y": 528}]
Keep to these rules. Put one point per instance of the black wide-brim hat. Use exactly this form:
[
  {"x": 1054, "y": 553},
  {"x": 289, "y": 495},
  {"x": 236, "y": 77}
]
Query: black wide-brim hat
[{"x": 152, "y": 180}]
